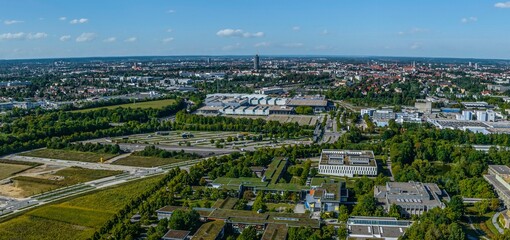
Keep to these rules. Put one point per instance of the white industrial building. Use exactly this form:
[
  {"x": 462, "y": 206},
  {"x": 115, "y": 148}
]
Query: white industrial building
[
  {"x": 414, "y": 198},
  {"x": 260, "y": 104},
  {"x": 486, "y": 116},
  {"x": 347, "y": 163}
]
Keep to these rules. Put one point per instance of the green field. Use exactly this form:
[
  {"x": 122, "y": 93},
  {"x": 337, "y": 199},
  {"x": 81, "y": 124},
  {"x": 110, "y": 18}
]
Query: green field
[
  {"x": 7, "y": 170},
  {"x": 158, "y": 104},
  {"x": 140, "y": 161},
  {"x": 77, "y": 218},
  {"x": 68, "y": 155},
  {"x": 70, "y": 176}
]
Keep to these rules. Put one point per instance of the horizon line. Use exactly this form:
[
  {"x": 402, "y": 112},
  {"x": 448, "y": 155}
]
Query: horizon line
[{"x": 261, "y": 55}]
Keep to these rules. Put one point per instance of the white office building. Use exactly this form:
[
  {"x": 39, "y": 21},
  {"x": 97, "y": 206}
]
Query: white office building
[
  {"x": 376, "y": 228},
  {"x": 486, "y": 116},
  {"x": 367, "y": 111},
  {"x": 467, "y": 115},
  {"x": 347, "y": 163}
]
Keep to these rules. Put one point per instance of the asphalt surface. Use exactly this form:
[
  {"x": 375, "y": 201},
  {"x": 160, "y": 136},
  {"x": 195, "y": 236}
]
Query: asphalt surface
[
  {"x": 67, "y": 163},
  {"x": 204, "y": 151}
]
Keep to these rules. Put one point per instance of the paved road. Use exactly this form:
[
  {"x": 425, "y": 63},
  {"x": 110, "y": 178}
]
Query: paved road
[
  {"x": 495, "y": 222},
  {"x": 67, "y": 163},
  {"x": 392, "y": 178},
  {"x": 112, "y": 160},
  {"x": 480, "y": 233},
  {"x": 346, "y": 105},
  {"x": 204, "y": 151}
]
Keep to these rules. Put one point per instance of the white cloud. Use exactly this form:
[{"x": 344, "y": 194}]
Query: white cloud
[
  {"x": 262, "y": 44},
  {"x": 296, "y": 28},
  {"x": 62, "y": 18},
  {"x": 12, "y": 36},
  {"x": 170, "y": 11},
  {"x": 293, "y": 45},
  {"x": 167, "y": 40},
  {"x": 415, "y": 46},
  {"x": 79, "y": 21},
  {"x": 169, "y": 30},
  {"x": 110, "y": 39},
  {"x": 323, "y": 47},
  {"x": 39, "y": 35},
  {"x": 86, "y": 37},
  {"x": 23, "y": 36},
  {"x": 232, "y": 47},
  {"x": 131, "y": 39},
  {"x": 414, "y": 30},
  {"x": 325, "y": 32},
  {"x": 65, "y": 38},
  {"x": 502, "y": 5},
  {"x": 228, "y": 32},
  {"x": 468, "y": 19},
  {"x": 10, "y": 22}
]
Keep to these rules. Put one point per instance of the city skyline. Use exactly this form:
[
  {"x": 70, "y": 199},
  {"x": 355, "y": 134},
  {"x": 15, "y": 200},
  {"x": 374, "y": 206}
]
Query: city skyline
[{"x": 36, "y": 29}]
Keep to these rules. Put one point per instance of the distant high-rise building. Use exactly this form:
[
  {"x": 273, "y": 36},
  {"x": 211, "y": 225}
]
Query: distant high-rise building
[
  {"x": 208, "y": 60},
  {"x": 256, "y": 62}
]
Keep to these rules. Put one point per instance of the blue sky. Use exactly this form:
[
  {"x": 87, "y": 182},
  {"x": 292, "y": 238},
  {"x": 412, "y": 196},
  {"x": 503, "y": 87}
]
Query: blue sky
[{"x": 429, "y": 28}]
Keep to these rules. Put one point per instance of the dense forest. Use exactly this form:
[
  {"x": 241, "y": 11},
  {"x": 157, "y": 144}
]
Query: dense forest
[
  {"x": 41, "y": 130},
  {"x": 364, "y": 94}
]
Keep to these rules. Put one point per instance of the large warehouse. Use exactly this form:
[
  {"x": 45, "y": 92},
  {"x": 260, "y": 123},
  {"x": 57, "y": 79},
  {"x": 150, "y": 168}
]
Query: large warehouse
[{"x": 261, "y": 104}]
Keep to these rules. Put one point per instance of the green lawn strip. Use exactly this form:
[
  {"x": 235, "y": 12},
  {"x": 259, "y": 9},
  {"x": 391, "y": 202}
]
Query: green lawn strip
[
  {"x": 28, "y": 227},
  {"x": 73, "y": 215},
  {"x": 76, "y": 218},
  {"x": 7, "y": 170},
  {"x": 158, "y": 104}
]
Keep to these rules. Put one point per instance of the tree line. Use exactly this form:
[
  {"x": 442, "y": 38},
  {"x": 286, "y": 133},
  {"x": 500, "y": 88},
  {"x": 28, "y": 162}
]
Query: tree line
[{"x": 153, "y": 151}]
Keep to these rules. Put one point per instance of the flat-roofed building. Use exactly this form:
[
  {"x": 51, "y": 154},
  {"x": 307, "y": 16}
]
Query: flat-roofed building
[
  {"x": 273, "y": 90},
  {"x": 212, "y": 230},
  {"x": 212, "y": 110},
  {"x": 176, "y": 235},
  {"x": 282, "y": 110},
  {"x": 376, "y": 228},
  {"x": 275, "y": 232},
  {"x": 423, "y": 105},
  {"x": 318, "y": 105},
  {"x": 327, "y": 197},
  {"x": 499, "y": 178},
  {"x": 367, "y": 111},
  {"x": 476, "y": 104},
  {"x": 347, "y": 163},
  {"x": 166, "y": 212},
  {"x": 414, "y": 198}
]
